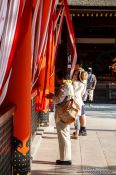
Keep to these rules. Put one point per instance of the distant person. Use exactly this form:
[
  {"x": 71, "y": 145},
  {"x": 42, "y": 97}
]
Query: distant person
[
  {"x": 91, "y": 84},
  {"x": 80, "y": 124},
  {"x": 79, "y": 80}
]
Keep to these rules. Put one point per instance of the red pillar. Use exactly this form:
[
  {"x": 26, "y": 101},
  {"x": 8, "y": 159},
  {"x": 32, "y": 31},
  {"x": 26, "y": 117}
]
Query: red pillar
[{"x": 19, "y": 92}]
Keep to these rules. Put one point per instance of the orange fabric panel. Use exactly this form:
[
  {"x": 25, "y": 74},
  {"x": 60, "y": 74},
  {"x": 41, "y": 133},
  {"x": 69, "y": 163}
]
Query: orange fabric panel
[
  {"x": 49, "y": 64},
  {"x": 52, "y": 82},
  {"x": 52, "y": 71},
  {"x": 41, "y": 84},
  {"x": 47, "y": 85},
  {"x": 52, "y": 68},
  {"x": 45, "y": 13},
  {"x": 43, "y": 61}
]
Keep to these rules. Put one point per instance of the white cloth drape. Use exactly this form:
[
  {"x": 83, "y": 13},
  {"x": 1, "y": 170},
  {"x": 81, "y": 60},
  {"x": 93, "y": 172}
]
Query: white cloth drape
[
  {"x": 8, "y": 37},
  {"x": 3, "y": 12}
]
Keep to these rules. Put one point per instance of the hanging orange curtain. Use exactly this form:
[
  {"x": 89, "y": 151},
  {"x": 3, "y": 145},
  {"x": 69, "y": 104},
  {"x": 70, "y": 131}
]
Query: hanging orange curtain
[
  {"x": 52, "y": 72},
  {"x": 47, "y": 76},
  {"x": 49, "y": 56},
  {"x": 43, "y": 58}
]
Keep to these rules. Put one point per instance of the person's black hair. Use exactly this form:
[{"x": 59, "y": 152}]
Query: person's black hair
[
  {"x": 79, "y": 62},
  {"x": 60, "y": 74}
]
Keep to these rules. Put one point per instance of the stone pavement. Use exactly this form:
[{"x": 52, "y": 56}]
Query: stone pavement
[{"x": 94, "y": 154}]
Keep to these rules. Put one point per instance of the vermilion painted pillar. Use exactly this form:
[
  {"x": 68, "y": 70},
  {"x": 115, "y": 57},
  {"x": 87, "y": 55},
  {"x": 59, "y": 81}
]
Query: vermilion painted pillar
[{"x": 19, "y": 92}]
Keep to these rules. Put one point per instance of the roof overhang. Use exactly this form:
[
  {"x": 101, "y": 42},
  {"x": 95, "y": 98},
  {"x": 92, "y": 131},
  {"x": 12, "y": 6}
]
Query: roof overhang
[{"x": 99, "y": 3}]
